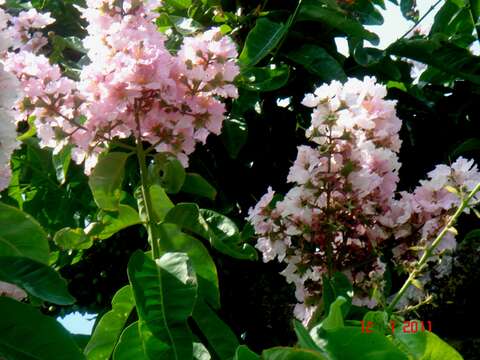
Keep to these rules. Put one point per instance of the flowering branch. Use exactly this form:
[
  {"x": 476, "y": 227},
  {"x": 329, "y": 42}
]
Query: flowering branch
[{"x": 429, "y": 250}]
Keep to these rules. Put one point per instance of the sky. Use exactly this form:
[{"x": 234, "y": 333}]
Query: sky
[{"x": 393, "y": 28}]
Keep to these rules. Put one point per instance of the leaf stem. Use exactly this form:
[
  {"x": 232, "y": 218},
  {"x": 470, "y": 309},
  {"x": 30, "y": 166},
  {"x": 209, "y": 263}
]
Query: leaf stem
[
  {"x": 144, "y": 187},
  {"x": 428, "y": 252}
]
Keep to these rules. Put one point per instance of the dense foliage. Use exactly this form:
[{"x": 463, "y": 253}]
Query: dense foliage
[{"x": 117, "y": 201}]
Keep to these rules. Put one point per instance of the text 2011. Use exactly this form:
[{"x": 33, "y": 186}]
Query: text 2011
[{"x": 408, "y": 327}]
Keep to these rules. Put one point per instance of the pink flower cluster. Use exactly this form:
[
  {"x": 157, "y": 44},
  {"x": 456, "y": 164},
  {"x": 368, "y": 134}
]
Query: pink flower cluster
[
  {"x": 342, "y": 211},
  {"x": 133, "y": 86}
]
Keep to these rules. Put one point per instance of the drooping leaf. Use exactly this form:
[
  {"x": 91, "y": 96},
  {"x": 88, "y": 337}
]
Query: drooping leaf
[
  {"x": 318, "y": 62},
  {"x": 61, "y": 163},
  {"x": 314, "y": 10},
  {"x": 197, "y": 185},
  {"x": 106, "y": 180},
  {"x": 27, "y": 334},
  {"x": 161, "y": 203},
  {"x": 36, "y": 278},
  {"x": 440, "y": 53},
  {"x": 108, "y": 330},
  {"x": 68, "y": 238},
  {"x": 21, "y": 235},
  {"x": 167, "y": 172},
  {"x": 114, "y": 221},
  {"x": 173, "y": 240},
  {"x": 262, "y": 39},
  {"x": 220, "y": 337},
  {"x": 220, "y": 231},
  {"x": 165, "y": 291},
  {"x": 409, "y": 9},
  {"x": 234, "y": 135}
]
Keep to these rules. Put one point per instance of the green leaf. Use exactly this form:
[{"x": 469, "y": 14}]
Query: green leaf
[
  {"x": 173, "y": 240},
  {"x": 440, "y": 53},
  {"x": 337, "y": 285},
  {"x": 244, "y": 353},
  {"x": 379, "y": 320},
  {"x": 113, "y": 222},
  {"x": 346, "y": 343},
  {"x": 179, "y": 4},
  {"x": 61, "y": 163},
  {"x": 220, "y": 337},
  {"x": 220, "y": 231},
  {"x": 106, "y": 180},
  {"x": 409, "y": 9},
  {"x": 234, "y": 135},
  {"x": 197, "y": 185},
  {"x": 165, "y": 291},
  {"x": 21, "y": 235},
  {"x": 26, "y": 334},
  {"x": 36, "y": 278},
  {"x": 267, "y": 78},
  {"x": 167, "y": 172},
  {"x": 314, "y": 10},
  {"x": 304, "y": 338},
  {"x": 425, "y": 345},
  {"x": 108, "y": 330},
  {"x": 318, "y": 62},
  {"x": 68, "y": 238},
  {"x": 130, "y": 345},
  {"x": 262, "y": 39},
  {"x": 161, "y": 203},
  {"x": 334, "y": 320},
  {"x": 31, "y": 129},
  {"x": 285, "y": 353},
  {"x": 472, "y": 144}
]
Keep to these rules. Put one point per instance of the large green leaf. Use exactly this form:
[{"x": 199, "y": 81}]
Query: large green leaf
[
  {"x": 21, "y": 235},
  {"x": 220, "y": 231},
  {"x": 165, "y": 291},
  {"x": 425, "y": 345},
  {"x": 130, "y": 345},
  {"x": 197, "y": 185},
  {"x": 114, "y": 221},
  {"x": 244, "y": 353},
  {"x": 173, "y": 240},
  {"x": 346, "y": 343},
  {"x": 318, "y": 62},
  {"x": 440, "y": 53},
  {"x": 68, "y": 238},
  {"x": 262, "y": 39},
  {"x": 221, "y": 339},
  {"x": 285, "y": 353},
  {"x": 161, "y": 203},
  {"x": 304, "y": 338},
  {"x": 26, "y": 334},
  {"x": 267, "y": 78},
  {"x": 315, "y": 10},
  {"x": 109, "y": 328},
  {"x": 36, "y": 278},
  {"x": 106, "y": 180}
]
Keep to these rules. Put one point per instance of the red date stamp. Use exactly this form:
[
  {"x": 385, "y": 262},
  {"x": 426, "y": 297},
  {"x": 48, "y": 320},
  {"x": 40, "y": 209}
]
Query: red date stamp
[{"x": 408, "y": 327}]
